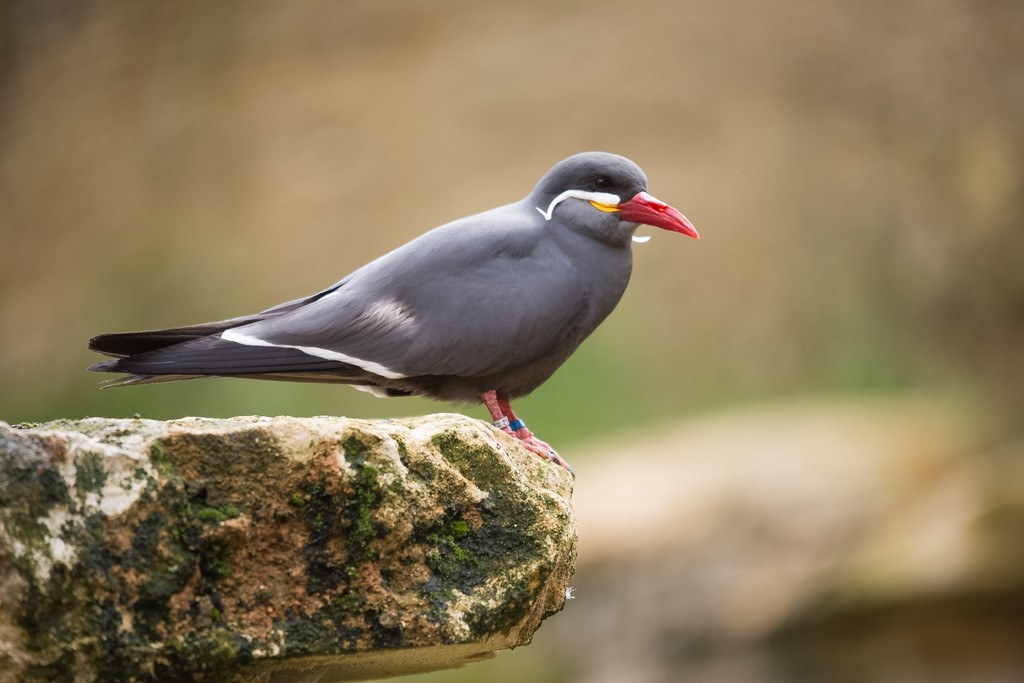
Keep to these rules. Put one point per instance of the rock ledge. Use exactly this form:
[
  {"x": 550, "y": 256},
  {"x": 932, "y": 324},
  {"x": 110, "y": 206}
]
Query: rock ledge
[{"x": 273, "y": 549}]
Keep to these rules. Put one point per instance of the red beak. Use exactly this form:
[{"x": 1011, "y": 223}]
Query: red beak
[{"x": 643, "y": 208}]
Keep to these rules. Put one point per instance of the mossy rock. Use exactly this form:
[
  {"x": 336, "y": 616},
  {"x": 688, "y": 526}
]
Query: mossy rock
[{"x": 288, "y": 548}]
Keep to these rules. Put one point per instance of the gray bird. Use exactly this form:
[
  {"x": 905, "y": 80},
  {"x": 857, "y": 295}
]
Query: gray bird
[{"x": 483, "y": 308}]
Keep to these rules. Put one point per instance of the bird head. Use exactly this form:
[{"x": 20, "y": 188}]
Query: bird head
[{"x": 605, "y": 192}]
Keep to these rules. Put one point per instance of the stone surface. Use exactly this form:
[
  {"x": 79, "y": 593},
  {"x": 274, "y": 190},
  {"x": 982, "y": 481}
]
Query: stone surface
[{"x": 272, "y": 549}]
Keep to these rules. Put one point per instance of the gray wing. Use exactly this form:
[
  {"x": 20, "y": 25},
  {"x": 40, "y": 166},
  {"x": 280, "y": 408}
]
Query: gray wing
[{"x": 471, "y": 298}]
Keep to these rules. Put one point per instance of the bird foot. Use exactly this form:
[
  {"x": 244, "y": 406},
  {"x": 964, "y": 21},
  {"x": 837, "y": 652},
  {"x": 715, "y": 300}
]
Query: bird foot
[
  {"x": 506, "y": 421},
  {"x": 532, "y": 443}
]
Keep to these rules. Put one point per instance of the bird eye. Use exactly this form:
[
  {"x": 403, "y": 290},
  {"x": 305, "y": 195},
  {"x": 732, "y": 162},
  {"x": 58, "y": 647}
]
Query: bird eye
[{"x": 601, "y": 183}]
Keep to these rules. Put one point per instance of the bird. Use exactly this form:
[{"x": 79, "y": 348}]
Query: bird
[{"x": 484, "y": 308}]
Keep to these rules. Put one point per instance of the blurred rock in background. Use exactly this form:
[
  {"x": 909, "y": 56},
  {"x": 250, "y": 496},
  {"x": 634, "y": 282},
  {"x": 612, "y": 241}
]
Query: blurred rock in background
[
  {"x": 820, "y": 541},
  {"x": 856, "y": 171}
]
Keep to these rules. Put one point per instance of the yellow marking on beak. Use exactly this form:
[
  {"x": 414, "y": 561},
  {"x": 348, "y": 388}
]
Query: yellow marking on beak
[{"x": 607, "y": 208}]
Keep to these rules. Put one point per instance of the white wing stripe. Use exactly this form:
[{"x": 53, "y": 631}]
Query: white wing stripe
[{"x": 236, "y": 335}]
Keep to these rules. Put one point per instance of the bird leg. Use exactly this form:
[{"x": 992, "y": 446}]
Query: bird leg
[
  {"x": 518, "y": 427},
  {"x": 505, "y": 419},
  {"x": 490, "y": 399}
]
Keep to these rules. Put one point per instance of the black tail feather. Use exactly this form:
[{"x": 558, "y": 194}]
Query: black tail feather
[
  {"x": 131, "y": 380},
  {"x": 123, "y": 344},
  {"x": 214, "y": 356}
]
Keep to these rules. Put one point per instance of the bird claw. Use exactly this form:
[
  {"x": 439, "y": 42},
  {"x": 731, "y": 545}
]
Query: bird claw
[
  {"x": 560, "y": 461},
  {"x": 542, "y": 449}
]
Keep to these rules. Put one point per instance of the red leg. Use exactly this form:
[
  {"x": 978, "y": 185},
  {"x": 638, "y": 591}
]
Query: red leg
[
  {"x": 490, "y": 399},
  {"x": 505, "y": 419}
]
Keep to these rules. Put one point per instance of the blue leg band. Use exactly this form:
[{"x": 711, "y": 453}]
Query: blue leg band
[{"x": 516, "y": 425}]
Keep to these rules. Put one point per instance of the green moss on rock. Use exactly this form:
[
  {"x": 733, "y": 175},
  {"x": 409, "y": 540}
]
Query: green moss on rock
[{"x": 194, "y": 548}]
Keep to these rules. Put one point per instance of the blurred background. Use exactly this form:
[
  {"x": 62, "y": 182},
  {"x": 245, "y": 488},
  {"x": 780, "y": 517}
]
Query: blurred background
[{"x": 799, "y": 440}]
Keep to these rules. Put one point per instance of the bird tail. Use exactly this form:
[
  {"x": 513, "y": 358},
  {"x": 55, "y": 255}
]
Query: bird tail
[
  {"x": 200, "y": 351},
  {"x": 181, "y": 353},
  {"x": 124, "y": 344},
  {"x": 131, "y": 380}
]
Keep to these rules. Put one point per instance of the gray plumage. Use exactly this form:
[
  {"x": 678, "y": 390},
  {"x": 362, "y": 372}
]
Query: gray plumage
[{"x": 492, "y": 302}]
